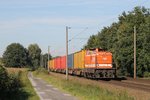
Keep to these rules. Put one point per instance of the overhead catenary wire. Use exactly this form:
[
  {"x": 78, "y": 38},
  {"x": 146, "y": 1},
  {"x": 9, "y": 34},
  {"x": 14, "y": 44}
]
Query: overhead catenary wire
[
  {"x": 75, "y": 46},
  {"x": 59, "y": 50},
  {"x": 78, "y": 34}
]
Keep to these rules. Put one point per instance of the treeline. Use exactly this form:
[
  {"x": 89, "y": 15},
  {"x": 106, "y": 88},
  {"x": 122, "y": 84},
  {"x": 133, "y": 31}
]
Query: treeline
[
  {"x": 18, "y": 56},
  {"x": 119, "y": 39}
]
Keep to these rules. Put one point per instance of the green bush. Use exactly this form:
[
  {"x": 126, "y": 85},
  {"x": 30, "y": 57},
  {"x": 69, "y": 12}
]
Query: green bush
[
  {"x": 41, "y": 70},
  {"x": 9, "y": 83},
  {"x": 3, "y": 72},
  {"x": 146, "y": 74},
  {"x": 3, "y": 78},
  {"x": 14, "y": 82}
]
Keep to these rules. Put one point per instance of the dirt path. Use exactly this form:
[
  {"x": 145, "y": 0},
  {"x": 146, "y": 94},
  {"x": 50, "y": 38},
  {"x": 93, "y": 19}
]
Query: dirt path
[{"x": 47, "y": 91}]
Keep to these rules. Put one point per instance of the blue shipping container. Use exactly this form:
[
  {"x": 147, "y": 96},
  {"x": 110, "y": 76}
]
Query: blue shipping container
[{"x": 70, "y": 61}]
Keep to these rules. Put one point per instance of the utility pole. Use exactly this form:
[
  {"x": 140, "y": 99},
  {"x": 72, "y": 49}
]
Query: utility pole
[
  {"x": 67, "y": 52},
  {"x": 41, "y": 60},
  {"x": 42, "y": 65},
  {"x": 45, "y": 63},
  {"x": 134, "y": 52},
  {"x": 48, "y": 57}
]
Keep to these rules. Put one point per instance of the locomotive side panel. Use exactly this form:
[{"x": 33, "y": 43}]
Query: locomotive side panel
[
  {"x": 90, "y": 59},
  {"x": 104, "y": 60}
]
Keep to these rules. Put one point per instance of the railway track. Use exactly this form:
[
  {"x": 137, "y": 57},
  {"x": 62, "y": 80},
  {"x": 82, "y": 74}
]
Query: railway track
[
  {"x": 141, "y": 85},
  {"x": 143, "y": 81},
  {"x": 138, "y": 85}
]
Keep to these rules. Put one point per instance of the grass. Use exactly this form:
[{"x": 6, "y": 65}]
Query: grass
[
  {"x": 82, "y": 90},
  {"x": 26, "y": 91}
]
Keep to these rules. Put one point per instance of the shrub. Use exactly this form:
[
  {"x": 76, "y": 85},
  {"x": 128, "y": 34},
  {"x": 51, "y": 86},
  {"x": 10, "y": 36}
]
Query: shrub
[
  {"x": 3, "y": 78},
  {"x": 41, "y": 70},
  {"x": 14, "y": 82},
  {"x": 9, "y": 83},
  {"x": 146, "y": 74}
]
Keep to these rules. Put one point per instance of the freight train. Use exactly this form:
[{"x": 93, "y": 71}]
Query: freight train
[{"x": 91, "y": 63}]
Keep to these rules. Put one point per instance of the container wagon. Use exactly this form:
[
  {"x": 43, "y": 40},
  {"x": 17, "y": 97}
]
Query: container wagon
[{"x": 71, "y": 64}]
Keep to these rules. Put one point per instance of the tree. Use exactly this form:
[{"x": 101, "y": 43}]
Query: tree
[
  {"x": 34, "y": 55},
  {"x": 45, "y": 59},
  {"x": 92, "y": 42},
  {"x": 118, "y": 39},
  {"x": 15, "y": 56},
  {"x": 1, "y": 61}
]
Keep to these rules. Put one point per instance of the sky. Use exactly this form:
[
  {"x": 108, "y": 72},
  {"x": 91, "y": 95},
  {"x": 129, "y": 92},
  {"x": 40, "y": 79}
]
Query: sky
[{"x": 44, "y": 21}]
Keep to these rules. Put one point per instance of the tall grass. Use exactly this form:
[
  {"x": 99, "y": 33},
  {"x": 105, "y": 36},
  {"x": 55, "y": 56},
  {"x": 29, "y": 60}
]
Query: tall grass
[
  {"x": 27, "y": 88},
  {"x": 82, "y": 90}
]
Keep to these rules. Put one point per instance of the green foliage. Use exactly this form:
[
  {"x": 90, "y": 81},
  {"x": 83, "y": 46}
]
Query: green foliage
[
  {"x": 3, "y": 77},
  {"x": 13, "y": 82},
  {"x": 45, "y": 59},
  {"x": 118, "y": 38},
  {"x": 15, "y": 56},
  {"x": 18, "y": 56},
  {"x": 1, "y": 61},
  {"x": 92, "y": 42},
  {"x": 41, "y": 70},
  {"x": 9, "y": 83},
  {"x": 146, "y": 74},
  {"x": 34, "y": 55},
  {"x": 16, "y": 85}
]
